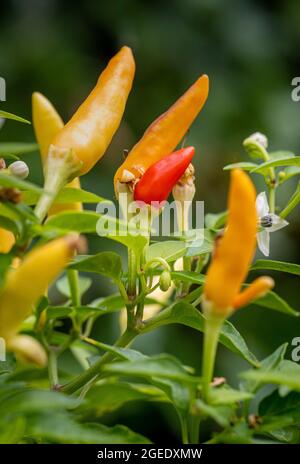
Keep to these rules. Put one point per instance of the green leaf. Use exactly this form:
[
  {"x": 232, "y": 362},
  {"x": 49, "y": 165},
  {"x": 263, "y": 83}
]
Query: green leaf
[
  {"x": 226, "y": 395},
  {"x": 275, "y": 405},
  {"x": 169, "y": 250},
  {"x": 268, "y": 264},
  {"x": 66, "y": 195},
  {"x": 273, "y": 301},
  {"x": 133, "y": 242},
  {"x": 107, "y": 397},
  {"x": 287, "y": 374},
  {"x": 62, "y": 428},
  {"x": 5, "y": 262},
  {"x": 6, "y": 115},
  {"x": 87, "y": 221},
  {"x": 216, "y": 221},
  {"x": 188, "y": 276},
  {"x": 186, "y": 314},
  {"x": 17, "y": 148},
  {"x": 244, "y": 165},
  {"x": 58, "y": 312},
  {"x": 269, "y": 363},
  {"x": 176, "y": 390},
  {"x": 8, "y": 224},
  {"x": 126, "y": 354},
  {"x": 12, "y": 432},
  {"x": 163, "y": 371},
  {"x": 106, "y": 263},
  {"x": 14, "y": 182},
  {"x": 162, "y": 366},
  {"x": 109, "y": 304},
  {"x": 83, "y": 222},
  {"x": 220, "y": 414},
  {"x": 281, "y": 154},
  {"x": 30, "y": 401},
  {"x": 199, "y": 247},
  {"x": 63, "y": 285},
  {"x": 292, "y": 161},
  {"x": 238, "y": 434}
]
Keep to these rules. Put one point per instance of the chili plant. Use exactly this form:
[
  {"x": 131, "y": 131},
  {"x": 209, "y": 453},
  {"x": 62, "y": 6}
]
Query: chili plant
[{"x": 194, "y": 278}]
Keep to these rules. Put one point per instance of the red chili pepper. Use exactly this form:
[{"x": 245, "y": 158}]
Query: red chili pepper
[{"x": 157, "y": 182}]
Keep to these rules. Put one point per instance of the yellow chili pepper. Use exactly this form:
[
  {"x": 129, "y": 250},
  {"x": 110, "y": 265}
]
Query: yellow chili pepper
[
  {"x": 47, "y": 123},
  {"x": 257, "y": 289},
  {"x": 27, "y": 349},
  {"x": 7, "y": 240},
  {"x": 164, "y": 134},
  {"x": 25, "y": 285},
  {"x": 234, "y": 253},
  {"x": 90, "y": 130}
]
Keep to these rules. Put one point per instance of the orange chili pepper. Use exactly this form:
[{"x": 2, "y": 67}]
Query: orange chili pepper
[
  {"x": 164, "y": 134},
  {"x": 234, "y": 252},
  {"x": 90, "y": 130}
]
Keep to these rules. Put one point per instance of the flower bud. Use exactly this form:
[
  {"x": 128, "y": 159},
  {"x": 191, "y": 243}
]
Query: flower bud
[
  {"x": 259, "y": 138},
  {"x": 281, "y": 175},
  {"x": 256, "y": 146},
  {"x": 165, "y": 281},
  {"x": 19, "y": 169}
]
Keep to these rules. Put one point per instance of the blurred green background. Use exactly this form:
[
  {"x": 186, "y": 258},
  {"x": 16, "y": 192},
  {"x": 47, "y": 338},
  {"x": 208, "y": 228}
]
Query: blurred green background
[{"x": 251, "y": 54}]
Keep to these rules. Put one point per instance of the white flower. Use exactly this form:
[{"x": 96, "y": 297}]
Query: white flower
[{"x": 268, "y": 222}]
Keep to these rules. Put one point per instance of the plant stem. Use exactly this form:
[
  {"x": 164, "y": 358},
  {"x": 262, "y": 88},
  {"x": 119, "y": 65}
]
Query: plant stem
[
  {"x": 61, "y": 167},
  {"x": 53, "y": 185},
  {"x": 52, "y": 368},
  {"x": 184, "y": 430},
  {"x": 73, "y": 280},
  {"x": 194, "y": 429},
  {"x": 132, "y": 274},
  {"x": 94, "y": 370},
  {"x": 211, "y": 336},
  {"x": 272, "y": 190},
  {"x": 289, "y": 208}
]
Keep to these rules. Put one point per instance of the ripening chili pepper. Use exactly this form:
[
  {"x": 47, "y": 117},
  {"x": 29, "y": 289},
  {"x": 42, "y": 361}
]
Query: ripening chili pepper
[
  {"x": 257, "y": 289},
  {"x": 157, "y": 182},
  {"x": 234, "y": 252},
  {"x": 90, "y": 130},
  {"x": 164, "y": 134},
  {"x": 26, "y": 284},
  {"x": 47, "y": 123},
  {"x": 77, "y": 147},
  {"x": 7, "y": 240}
]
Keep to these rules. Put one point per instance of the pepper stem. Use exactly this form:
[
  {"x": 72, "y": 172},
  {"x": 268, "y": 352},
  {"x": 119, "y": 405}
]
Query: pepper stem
[
  {"x": 212, "y": 327},
  {"x": 61, "y": 167}
]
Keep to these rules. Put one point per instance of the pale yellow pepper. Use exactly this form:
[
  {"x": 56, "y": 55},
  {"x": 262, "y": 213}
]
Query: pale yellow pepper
[
  {"x": 25, "y": 285},
  {"x": 47, "y": 123},
  {"x": 7, "y": 240},
  {"x": 77, "y": 147},
  {"x": 91, "y": 128}
]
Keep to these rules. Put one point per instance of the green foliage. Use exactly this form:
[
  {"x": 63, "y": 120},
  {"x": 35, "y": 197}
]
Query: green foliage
[{"x": 87, "y": 379}]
